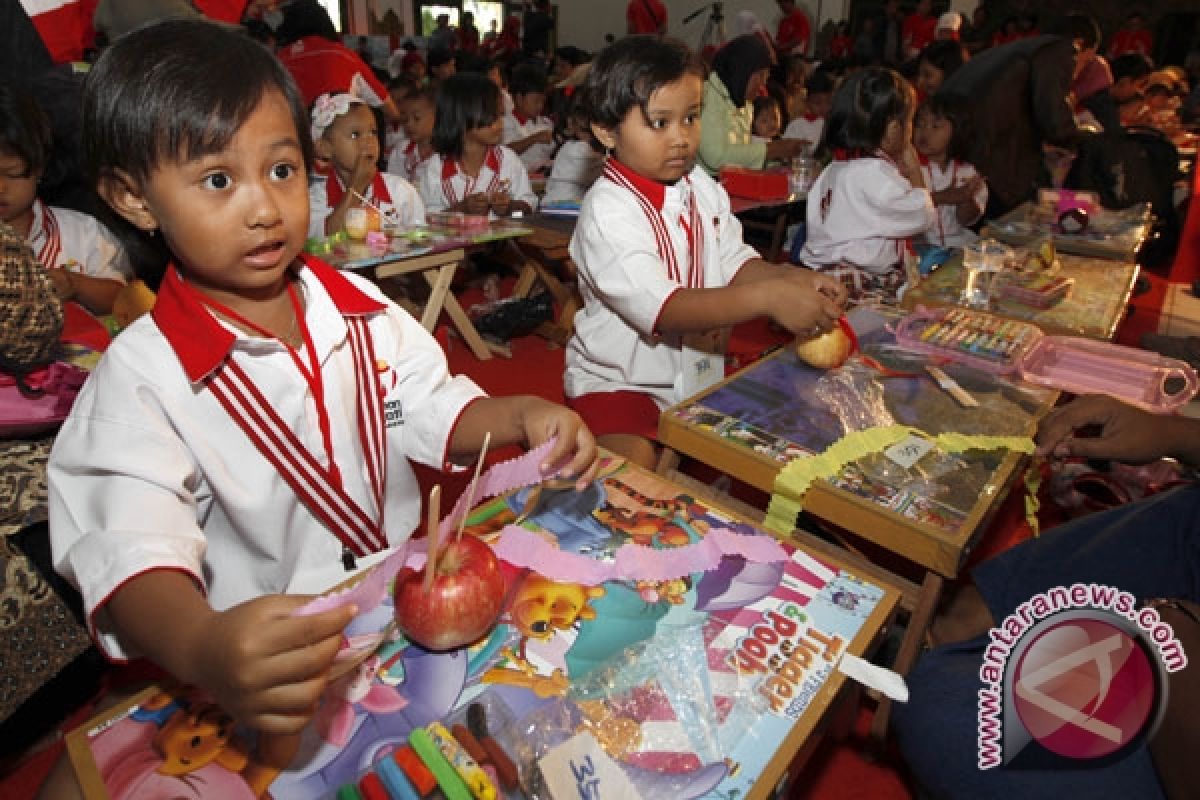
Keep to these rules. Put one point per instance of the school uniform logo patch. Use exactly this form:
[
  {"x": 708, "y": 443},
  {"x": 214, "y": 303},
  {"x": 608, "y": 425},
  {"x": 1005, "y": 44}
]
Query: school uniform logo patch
[{"x": 393, "y": 412}]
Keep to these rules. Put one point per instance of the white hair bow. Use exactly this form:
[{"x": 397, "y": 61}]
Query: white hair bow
[{"x": 329, "y": 107}]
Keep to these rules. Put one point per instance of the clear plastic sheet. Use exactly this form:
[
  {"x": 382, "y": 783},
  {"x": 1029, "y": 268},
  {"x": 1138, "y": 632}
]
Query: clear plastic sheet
[{"x": 655, "y": 709}]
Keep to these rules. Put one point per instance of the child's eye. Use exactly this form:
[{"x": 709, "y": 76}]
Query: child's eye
[
  {"x": 658, "y": 124},
  {"x": 691, "y": 119},
  {"x": 283, "y": 171},
  {"x": 217, "y": 180}
]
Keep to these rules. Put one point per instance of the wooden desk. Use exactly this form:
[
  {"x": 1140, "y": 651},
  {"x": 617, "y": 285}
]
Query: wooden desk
[
  {"x": 1094, "y": 308},
  {"x": 755, "y": 422},
  {"x": 822, "y": 608},
  {"x": 435, "y": 254},
  {"x": 545, "y": 250}
]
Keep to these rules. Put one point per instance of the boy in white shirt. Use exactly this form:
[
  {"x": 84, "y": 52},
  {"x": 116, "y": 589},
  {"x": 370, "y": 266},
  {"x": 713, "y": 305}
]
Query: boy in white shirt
[
  {"x": 527, "y": 130},
  {"x": 810, "y": 125}
]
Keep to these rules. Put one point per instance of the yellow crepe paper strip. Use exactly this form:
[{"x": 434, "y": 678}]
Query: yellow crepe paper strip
[{"x": 794, "y": 480}]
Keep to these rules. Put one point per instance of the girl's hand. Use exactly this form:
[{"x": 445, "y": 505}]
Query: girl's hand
[
  {"x": 476, "y": 204},
  {"x": 363, "y": 174},
  {"x": 501, "y": 203},
  {"x": 63, "y": 283},
  {"x": 542, "y": 421},
  {"x": 265, "y": 667}
]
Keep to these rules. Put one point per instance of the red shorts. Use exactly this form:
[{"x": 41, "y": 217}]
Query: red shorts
[{"x": 617, "y": 412}]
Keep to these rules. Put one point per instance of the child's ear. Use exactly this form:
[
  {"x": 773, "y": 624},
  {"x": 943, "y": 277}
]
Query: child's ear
[
  {"x": 604, "y": 136},
  {"x": 322, "y": 148},
  {"x": 125, "y": 197},
  {"x": 893, "y": 136}
]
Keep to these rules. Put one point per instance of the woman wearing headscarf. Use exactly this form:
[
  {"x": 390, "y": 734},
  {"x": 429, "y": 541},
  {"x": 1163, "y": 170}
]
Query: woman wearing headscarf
[{"x": 739, "y": 74}]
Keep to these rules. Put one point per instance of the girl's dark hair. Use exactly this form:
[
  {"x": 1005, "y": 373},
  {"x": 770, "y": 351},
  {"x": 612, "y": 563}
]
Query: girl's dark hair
[
  {"x": 24, "y": 128},
  {"x": 465, "y": 101},
  {"x": 174, "y": 91},
  {"x": 627, "y": 72},
  {"x": 957, "y": 111},
  {"x": 944, "y": 54},
  {"x": 303, "y": 18},
  {"x": 527, "y": 79},
  {"x": 737, "y": 60},
  {"x": 862, "y": 107}
]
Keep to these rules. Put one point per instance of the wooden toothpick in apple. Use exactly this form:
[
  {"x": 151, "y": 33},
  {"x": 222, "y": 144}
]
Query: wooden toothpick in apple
[
  {"x": 432, "y": 523},
  {"x": 462, "y": 523}
]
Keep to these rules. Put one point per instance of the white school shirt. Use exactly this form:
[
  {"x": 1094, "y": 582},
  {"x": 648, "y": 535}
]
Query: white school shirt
[
  {"x": 808, "y": 127},
  {"x": 404, "y": 201},
  {"x": 575, "y": 169},
  {"x": 72, "y": 240},
  {"x": 150, "y": 472},
  {"x": 444, "y": 185},
  {"x": 861, "y": 212},
  {"x": 406, "y": 161},
  {"x": 947, "y": 231},
  {"x": 516, "y": 127},
  {"x": 624, "y": 220}
]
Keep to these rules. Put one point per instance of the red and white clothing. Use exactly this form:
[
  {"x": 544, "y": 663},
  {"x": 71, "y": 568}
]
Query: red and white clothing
[
  {"x": 636, "y": 243},
  {"x": 517, "y": 127},
  {"x": 576, "y": 167},
  {"x": 321, "y": 66},
  {"x": 406, "y": 161},
  {"x": 1127, "y": 40},
  {"x": 65, "y": 26},
  {"x": 808, "y": 127},
  {"x": 391, "y": 194},
  {"x": 793, "y": 33},
  {"x": 861, "y": 212},
  {"x": 72, "y": 240},
  {"x": 645, "y": 16},
  {"x": 152, "y": 472},
  {"x": 443, "y": 184},
  {"x": 917, "y": 31},
  {"x": 947, "y": 231}
]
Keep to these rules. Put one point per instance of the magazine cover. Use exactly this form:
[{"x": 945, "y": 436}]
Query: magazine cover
[{"x": 690, "y": 683}]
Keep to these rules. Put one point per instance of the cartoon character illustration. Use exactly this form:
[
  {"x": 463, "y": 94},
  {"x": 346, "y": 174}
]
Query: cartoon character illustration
[
  {"x": 672, "y": 591},
  {"x": 357, "y": 688},
  {"x": 654, "y": 522},
  {"x": 546, "y": 614}
]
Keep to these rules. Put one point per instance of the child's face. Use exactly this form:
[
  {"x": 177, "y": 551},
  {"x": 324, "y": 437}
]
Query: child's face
[
  {"x": 660, "y": 144},
  {"x": 768, "y": 123},
  {"x": 929, "y": 78},
  {"x": 818, "y": 104},
  {"x": 418, "y": 125},
  {"x": 931, "y": 135},
  {"x": 443, "y": 71},
  {"x": 353, "y": 138},
  {"x": 529, "y": 105},
  {"x": 18, "y": 190},
  {"x": 488, "y": 135},
  {"x": 235, "y": 220}
]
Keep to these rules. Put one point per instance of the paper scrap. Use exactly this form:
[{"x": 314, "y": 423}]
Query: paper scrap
[
  {"x": 579, "y": 768},
  {"x": 874, "y": 677}
]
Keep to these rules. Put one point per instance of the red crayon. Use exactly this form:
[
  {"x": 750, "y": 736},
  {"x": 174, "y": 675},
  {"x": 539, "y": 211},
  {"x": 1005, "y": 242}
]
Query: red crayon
[
  {"x": 371, "y": 788},
  {"x": 422, "y": 779}
]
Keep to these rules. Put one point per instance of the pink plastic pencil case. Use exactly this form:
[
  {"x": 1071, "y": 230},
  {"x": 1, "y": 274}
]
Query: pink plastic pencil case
[{"x": 1083, "y": 366}]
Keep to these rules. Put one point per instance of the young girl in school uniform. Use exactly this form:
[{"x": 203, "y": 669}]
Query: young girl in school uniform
[
  {"x": 941, "y": 135},
  {"x": 85, "y": 261},
  {"x": 233, "y": 445},
  {"x": 346, "y": 135},
  {"x": 871, "y": 199},
  {"x": 408, "y": 159},
  {"x": 470, "y": 170},
  {"x": 662, "y": 266}
]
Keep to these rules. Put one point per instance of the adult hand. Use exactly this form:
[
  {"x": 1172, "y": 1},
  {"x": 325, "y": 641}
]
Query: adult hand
[{"x": 1099, "y": 426}]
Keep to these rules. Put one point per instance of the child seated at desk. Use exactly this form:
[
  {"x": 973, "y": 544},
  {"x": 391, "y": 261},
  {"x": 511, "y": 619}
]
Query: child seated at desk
[
  {"x": 85, "y": 261},
  {"x": 528, "y": 131},
  {"x": 663, "y": 269},
  {"x": 408, "y": 159},
  {"x": 470, "y": 170},
  {"x": 577, "y": 163},
  {"x": 809, "y": 126},
  {"x": 345, "y": 134},
  {"x": 871, "y": 199},
  {"x": 241, "y": 445},
  {"x": 941, "y": 136}
]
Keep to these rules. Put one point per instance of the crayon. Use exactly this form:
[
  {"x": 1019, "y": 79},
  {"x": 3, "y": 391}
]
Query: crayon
[
  {"x": 349, "y": 792},
  {"x": 372, "y": 788},
  {"x": 415, "y": 770},
  {"x": 398, "y": 785},
  {"x": 469, "y": 743},
  {"x": 505, "y": 768},
  {"x": 447, "y": 778},
  {"x": 467, "y": 768}
]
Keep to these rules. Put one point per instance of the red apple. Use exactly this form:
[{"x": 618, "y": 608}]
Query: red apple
[
  {"x": 461, "y": 605},
  {"x": 830, "y": 349}
]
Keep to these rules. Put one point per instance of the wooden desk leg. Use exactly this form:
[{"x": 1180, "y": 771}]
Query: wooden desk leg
[
  {"x": 439, "y": 287},
  {"x": 668, "y": 462},
  {"x": 910, "y": 648},
  {"x": 462, "y": 323}
]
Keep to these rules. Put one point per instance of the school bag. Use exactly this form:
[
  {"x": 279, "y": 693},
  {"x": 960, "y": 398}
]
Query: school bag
[{"x": 1129, "y": 166}]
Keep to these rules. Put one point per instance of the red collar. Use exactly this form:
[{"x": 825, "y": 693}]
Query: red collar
[
  {"x": 491, "y": 160},
  {"x": 652, "y": 190},
  {"x": 521, "y": 118},
  {"x": 811, "y": 117},
  {"x": 201, "y": 343}
]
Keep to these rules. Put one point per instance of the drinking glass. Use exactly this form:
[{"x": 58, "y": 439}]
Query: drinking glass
[
  {"x": 982, "y": 261},
  {"x": 357, "y": 223}
]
